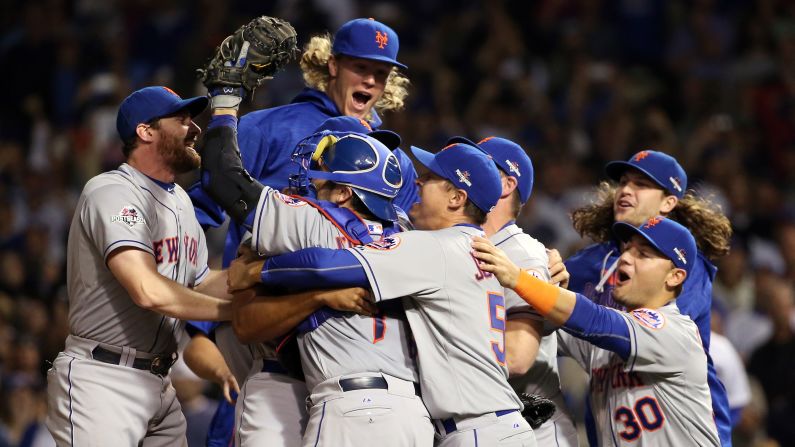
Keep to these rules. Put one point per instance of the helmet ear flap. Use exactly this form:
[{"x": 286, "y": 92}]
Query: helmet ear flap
[{"x": 322, "y": 145}]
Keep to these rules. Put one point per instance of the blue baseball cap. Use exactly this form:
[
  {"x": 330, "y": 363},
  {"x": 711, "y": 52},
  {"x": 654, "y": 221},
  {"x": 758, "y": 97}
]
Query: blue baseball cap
[
  {"x": 658, "y": 166},
  {"x": 510, "y": 157},
  {"x": 348, "y": 124},
  {"x": 150, "y": 103},
  {"x": 468, "y": 168},
  {"x": 669, "y": 237},
  {"x": 367, "y": 39}
]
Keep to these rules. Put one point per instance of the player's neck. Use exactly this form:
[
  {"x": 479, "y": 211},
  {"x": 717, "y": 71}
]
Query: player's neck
[
  {"x": 147, "y": 161},
  {"x": 498, "y": 217},
  {"x": 655, "y": 302}
]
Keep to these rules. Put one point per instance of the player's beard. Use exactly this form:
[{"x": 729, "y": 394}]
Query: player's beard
[{"x": 176, "y": 153}]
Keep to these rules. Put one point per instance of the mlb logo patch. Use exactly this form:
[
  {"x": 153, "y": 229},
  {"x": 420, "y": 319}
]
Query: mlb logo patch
[
  {"x": 649, "y": 318},
  {"x": 128, "y": 215},
  {"x": 290, "y": 200}
]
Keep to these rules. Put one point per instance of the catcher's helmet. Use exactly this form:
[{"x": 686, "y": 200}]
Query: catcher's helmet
[{"x": 360, "y": 161}]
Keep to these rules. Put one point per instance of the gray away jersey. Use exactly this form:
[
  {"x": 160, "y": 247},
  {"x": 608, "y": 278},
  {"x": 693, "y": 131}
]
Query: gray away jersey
[
  {"x": 124, "y": 208},
  {"x": 341, "y": 345},
  {"x": 659, "y": 396},
  {"x": 456, "y": 313},
  {"x": 531, "y": 255}
]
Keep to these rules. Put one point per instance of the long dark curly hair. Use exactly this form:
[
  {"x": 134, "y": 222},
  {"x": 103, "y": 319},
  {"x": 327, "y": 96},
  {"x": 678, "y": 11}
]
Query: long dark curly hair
[{"x": 708, "y": 225}]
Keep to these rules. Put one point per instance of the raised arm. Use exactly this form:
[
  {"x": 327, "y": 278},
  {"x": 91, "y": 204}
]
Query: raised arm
[{"x": 575, "y": 313}]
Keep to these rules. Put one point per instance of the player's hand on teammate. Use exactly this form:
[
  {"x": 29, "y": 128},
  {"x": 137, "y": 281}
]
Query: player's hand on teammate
[
  {"x": 557, "y": 269},
  {"x": 495, "y": 261},
  {"x": 244, "y": 273},
  {"x": 226, "y": 380},
  {"x": 352, "y": 299}
]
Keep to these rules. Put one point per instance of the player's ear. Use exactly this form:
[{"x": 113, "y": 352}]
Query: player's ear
[
  {"x": 332, "y": 66},
  {"x": 676, "y": 277},
  {"x": 668, "y": 204},
  {"x": 144, "y": 132},
  {"x": 343, "y": 194},
  {"x": 509, "y": 185},
  {"x": 457, "y": 198}
]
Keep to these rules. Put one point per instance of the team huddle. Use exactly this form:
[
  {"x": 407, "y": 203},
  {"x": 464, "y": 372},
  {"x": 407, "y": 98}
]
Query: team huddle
[{"x": 362, "y": 302}]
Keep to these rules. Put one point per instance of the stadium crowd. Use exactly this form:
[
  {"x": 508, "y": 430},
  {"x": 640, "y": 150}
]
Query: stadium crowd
[{"x": 577, "y": 83}]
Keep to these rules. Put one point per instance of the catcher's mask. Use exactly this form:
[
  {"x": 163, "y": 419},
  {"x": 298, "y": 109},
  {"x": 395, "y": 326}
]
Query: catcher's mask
[{"x": 360, "y": 161}]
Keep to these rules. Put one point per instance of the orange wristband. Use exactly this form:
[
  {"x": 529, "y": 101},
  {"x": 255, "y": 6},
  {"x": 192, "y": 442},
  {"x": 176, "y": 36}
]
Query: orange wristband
[{"x": 539, "y": 294}]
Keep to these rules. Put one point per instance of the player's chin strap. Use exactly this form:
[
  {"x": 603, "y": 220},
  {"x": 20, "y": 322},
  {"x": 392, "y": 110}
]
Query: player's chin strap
[
  {"x": 606, "y": 274},
  {"x": 223, "y": 175}
]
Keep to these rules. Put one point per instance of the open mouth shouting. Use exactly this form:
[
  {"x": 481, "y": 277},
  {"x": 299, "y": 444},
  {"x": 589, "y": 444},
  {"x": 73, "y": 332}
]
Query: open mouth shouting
[
  {"x": 360, "y": 101},
  {"x": 622, "y": 276}
]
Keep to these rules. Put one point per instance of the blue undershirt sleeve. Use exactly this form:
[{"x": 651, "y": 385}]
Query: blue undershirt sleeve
[
  {"x": 314, "y": 268},
  {"x": 600, "y": 326}
]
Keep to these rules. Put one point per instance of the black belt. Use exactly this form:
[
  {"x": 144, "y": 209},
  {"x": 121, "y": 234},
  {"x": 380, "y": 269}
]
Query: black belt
[
  {"x": 450, "y": 427},
  {"x": 157, "y": 365},
  {"x": 369, "y": 383},
  {"x": 273, "y": 366}
]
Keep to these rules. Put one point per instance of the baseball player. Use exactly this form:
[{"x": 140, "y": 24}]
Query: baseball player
[
  {"x": 356, "y": 177},
  {"x": 647, "y": 365},
  {"x": 137, "y": 264},
  {"x": 652, "y": 183},
  {"x": 455, "y": 310},
  {"x": 360, "y": 68},
  {"x": 524, "y": 327},
  {"x": 354, "y": 75}
]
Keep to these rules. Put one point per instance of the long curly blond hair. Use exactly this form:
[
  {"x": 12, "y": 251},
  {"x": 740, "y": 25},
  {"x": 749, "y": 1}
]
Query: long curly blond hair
[
  {"x": 314, "y": 64},
  {"x": 711, "y": 229}
]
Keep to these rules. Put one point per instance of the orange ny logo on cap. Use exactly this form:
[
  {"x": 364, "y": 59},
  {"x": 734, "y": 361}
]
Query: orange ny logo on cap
[
  {"x": 381, "y": 39},
  {"x": 641, "y": 155},
  {"x": 171, "y": 91},
  {"x": 653, "y": 221}
]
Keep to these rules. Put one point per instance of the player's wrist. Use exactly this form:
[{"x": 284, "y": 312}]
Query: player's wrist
[
  {"x": 226, "y": 97},
  {"x": 255, "y": 271}
]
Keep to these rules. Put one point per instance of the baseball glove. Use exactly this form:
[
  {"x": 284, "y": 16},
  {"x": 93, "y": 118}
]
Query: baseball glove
[
  {"x": 252, "y": 54},
  {"x": 537, "y": 409}
]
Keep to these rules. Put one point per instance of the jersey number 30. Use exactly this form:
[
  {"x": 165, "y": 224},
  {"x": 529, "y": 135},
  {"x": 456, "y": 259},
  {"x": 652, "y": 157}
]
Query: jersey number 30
[
  {"x": 497, "y": 319},
  {"x": 646, "y": 416}
]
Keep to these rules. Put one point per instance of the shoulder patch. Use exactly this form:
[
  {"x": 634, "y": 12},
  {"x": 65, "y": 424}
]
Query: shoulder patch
[
  {"x": 650, "y": 318},
  {"x": 387, "y": 243},
  {"x": 128, "y": 215},
  {"x": 290, "y": 200}
]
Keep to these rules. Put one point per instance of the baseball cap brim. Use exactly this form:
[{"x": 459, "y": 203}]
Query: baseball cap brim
[
  {"x": 195, "y": 106},
  {"x": 615, "y": 169},
  {"x": 428, "y": 160},
  {"x": 375, "y": 57}
]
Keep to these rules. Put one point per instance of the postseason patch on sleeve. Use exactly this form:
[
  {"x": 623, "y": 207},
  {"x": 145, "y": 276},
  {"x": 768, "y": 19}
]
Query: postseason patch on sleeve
[
  {"x": 387, "y": 243},
  {"x": 290, "y": 200},
  {"x": 649, "y": 318},
  {"x": 128, "y": 215}
]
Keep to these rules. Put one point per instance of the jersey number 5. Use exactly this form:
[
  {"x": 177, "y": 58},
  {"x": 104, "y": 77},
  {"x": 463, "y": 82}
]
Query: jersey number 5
[
  {"x": 497, "y": 319},
  {"x": 646, "y": 416}
]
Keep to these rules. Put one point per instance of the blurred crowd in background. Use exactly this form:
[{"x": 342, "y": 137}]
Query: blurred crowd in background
[{"x": 576, "y": 83}]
